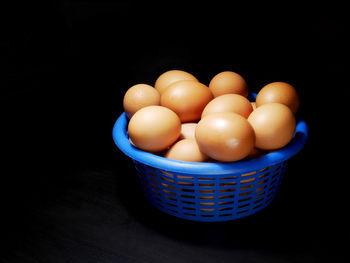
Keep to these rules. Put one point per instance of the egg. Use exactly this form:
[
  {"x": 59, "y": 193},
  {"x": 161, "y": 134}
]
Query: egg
[
  {"x": 187, "y": 130},
  {"x": 154, "y": 128},
  {"x": 274, "y": 125},
  {"x": 225, "y": 136},
  {"x": 255, "y": 153},
  {"x": 187, "y": 98},
  {"x": 228, "y": 82},
  {"x": 229, "y": 102},
  {"x": 280, "y": 92},
  {"x": 186, "y": 150},
  {"x": 139, "y": 96},
  {"x": 170, "y": 77}
]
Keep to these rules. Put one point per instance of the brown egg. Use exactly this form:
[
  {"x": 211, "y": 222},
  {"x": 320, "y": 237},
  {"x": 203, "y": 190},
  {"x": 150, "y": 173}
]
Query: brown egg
[
  {"x": 225, "y": 136},
  {"x": 186, "y": 150},
  {"x": 279, "y": 92},
  {"x": 187, "y": 98},
  {"x": 139, "y": 96},
  {"x": 154, "y": 128},
  {"x": 255, "y": 153},
  {"x": 228, "y": 82},
  {"x": 170, "y": 77},
  {"x": 229, "y": 103},
  {"x": 187, "y": 130},
  {"x": 274, "y": 125}
]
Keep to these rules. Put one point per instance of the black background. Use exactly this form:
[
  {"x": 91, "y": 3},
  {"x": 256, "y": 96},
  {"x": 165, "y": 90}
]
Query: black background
[{"x": 69, "y": 195}]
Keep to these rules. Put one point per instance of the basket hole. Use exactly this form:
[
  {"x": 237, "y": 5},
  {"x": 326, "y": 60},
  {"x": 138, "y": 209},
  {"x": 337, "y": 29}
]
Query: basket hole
[
  {"x": 264, "y": 175},
  {"x": 266, "y": 168},
  {"x": 273, "y": 176},
  {"x": 207, "y": 191},
  {"x": 205, "y": 185},
  {"x": 245, "y": 205},
  {"x": 268, "y": 200},
  {"x": 158, "y": 199},
  {"x": 228, "y": 178},
  {"x": 155, "y": 186},
  {"x": 225, "y": 215},
  {"x": 154, "y": 191},
  {"x": 188, "y": 196},
  {"x": 246, "y": 193},
  {"x": 170, "y": 198},
  {"x": 263, "y": 181},
  {"x": 244, "y": 211},
  {"x": 168, "y": 186},
  {"x": 259, "y": 200},
  {"x": 166, "y": 173},
  {"x": 207, "y": 215},
  {"x": 206, "y": 197},
  {"x": 188, "y": 202},
  {"x": 168, "y": 192},
  {"x": 184, "y": 177},
  {"x": 186, "y": 190},
  {"x": 255, "y": 207},
  {"x": 188, "y": 214},
  {"x": 152, "y": 173},
  {"x": 274, "y": 181},
  {"x": 226, "y": 196},
  {"x": 205, "y": 178},
  {"x": 277, "y": 168},
  {"x": 188, "y": 208},
  {"x": 167, "y": 179},
  {"x": 225, "y": 209},
  {"x": 262, "y": 193},
  {"x": 153, "y": 180},
  {"x": 226, "y": 203},
  {"x": 272, "y": 189},
  {"x": 245, "y": 199},
  {"x": 246, "y": 187},
  {"x": 211, "y": 203},
  {"x": 171, "y": 204},
  {"x": 227, "y": 190},
  {"x": 248, "y": 174},
  {"x": 207, "y": 209},
  {"x": 248, "y": 180},
  {"x": 171, "y": 210},
  {"x": 261, "y": 188},
  {"x": 228, "y": 184},
  {"x": 185, "y": 183}
]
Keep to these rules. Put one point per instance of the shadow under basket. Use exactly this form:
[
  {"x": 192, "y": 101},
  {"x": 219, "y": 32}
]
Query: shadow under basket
[{"x": 209, "y": 191}]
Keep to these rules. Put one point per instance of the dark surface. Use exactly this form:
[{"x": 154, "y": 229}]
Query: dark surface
[{"x": 69, "y": 195}]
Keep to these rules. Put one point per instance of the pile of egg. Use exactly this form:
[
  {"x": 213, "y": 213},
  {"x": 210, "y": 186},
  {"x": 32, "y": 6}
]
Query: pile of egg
[{"x": 181, "y": 118}]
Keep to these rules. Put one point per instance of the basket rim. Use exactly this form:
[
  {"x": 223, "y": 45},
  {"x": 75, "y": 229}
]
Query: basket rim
[{"x": 121, "y": 139}]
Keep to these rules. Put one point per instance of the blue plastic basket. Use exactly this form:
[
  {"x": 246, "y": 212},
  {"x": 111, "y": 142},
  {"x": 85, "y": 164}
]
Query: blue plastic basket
[{"x": 209, "y": 191}]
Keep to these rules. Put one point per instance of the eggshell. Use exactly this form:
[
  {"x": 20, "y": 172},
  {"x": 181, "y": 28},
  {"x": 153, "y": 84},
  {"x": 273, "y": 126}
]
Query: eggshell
[
  {"x": 154, "y": 128},
  {"x": 187, "y": 98},
  {"x": 274, "y": 125},
  {"x": 187, "y": 130},
  {"x": 228, "y": 82},
  {"x": 280, "y": 92},
  {"x": 138, "y": 97},
  {"x": 225, "y": 136},
  {"x": 186, "y": 150},
  {"x": 170, "y": 77},
  {"x": 229, "y": 103},
  {"x": 255, "y": 153}
]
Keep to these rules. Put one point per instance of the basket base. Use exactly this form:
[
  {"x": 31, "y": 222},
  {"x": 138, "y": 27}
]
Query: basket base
[
  {"x": 210, "y": 198},
  {"x": 210, "y": 217}
]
